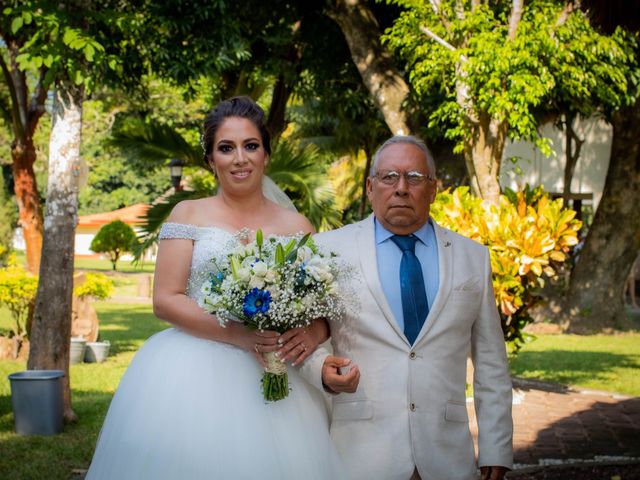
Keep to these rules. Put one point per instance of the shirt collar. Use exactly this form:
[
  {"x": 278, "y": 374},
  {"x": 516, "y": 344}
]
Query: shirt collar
[{"x": 382, "y": 234}]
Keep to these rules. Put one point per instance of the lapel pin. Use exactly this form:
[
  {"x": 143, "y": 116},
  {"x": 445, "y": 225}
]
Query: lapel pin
[{"x": 447, "y": 243}]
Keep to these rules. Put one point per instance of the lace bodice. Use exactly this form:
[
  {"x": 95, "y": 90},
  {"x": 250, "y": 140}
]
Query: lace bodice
[{"x": 209, "y": 243}]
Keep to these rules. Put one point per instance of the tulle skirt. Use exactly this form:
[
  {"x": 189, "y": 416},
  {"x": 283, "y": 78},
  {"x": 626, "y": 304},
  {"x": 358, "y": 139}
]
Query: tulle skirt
[{"x": 189, "y": 408}]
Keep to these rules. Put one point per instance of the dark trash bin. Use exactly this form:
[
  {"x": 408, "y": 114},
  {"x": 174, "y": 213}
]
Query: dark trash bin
[{"x": 36, "y": 396}]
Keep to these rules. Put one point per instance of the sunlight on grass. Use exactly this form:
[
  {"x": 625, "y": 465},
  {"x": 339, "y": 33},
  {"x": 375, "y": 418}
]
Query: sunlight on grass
[
  {"x": 599, "y": 362},
  {"x": 28, "y": 457},
  {"x": 100, "y": 264},
  {"x": 604, "y": 362},
  {"x": 104, "y": 264}
]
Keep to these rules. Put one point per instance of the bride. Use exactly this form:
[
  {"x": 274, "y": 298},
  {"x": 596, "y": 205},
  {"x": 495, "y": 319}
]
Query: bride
[{"x": 190, "y": 405}]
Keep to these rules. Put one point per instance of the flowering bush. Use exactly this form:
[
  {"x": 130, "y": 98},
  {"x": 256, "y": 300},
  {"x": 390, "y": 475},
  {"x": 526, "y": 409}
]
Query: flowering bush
[
  {"x": 275, "y": 285},
  {"x": 529, "y": 237},
  {"x": 96, "y": 285},
  {"x": 18, "y": 294}
]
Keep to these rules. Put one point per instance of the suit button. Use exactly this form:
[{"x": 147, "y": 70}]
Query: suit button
[
  {"x": 412, "y": 355},
  {"x": 412, "y": 407}
]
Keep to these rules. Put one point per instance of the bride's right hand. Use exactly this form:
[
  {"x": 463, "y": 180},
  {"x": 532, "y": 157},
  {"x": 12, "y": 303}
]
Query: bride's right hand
[{"x": 256, "y": 342}]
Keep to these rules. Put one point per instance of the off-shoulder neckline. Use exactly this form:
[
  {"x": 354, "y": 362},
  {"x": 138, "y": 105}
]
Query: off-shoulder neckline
[{"x": 238, "y": 233}]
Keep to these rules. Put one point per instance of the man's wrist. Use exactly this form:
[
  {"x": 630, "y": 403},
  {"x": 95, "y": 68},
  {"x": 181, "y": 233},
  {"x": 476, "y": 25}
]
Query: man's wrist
[{"x": 328, "y": 389}]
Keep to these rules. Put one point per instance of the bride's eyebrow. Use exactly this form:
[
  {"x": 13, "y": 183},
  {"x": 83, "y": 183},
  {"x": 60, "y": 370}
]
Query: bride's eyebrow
[{"x": 225, "y": 140}]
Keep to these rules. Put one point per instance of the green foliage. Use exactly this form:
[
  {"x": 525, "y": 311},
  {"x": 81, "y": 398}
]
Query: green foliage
[
  {"x": 114, "y": 239},
  {"x": 529, "y": 238},
  {"x": 75, "y": 45},
  {"x": 18, "y": 294},
  {"x": 301, "y": 172},
  {"x": 486, "y": 74},
  {"x": 96, "y": 285},
  {"x": 113, "y": 184}
]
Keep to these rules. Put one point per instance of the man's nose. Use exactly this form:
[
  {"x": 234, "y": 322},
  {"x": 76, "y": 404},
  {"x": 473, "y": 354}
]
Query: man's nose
[{"x": 402, "y": 187}]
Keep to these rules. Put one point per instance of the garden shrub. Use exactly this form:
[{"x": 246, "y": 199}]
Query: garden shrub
[
  {"x": 96, "y": 285},
  {"x": 114, "y": 239},
  {"x": 18, "y": 294},
  {"x": 529, "y": 237}
]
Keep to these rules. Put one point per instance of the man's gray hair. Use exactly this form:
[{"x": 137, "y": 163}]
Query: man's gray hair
[{"x": 411, "y": 140}]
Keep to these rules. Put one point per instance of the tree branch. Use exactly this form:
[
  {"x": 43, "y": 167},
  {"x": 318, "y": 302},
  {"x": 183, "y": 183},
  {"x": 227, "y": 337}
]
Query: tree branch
[
  {"x": 440, "y": 40},
  {"x": 566, "y": 11},
  {"x": 514, "y": 18},
  {"x": 36, "y": 106}
]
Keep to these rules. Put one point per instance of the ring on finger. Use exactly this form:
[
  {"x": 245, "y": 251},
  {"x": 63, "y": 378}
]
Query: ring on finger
[
  {"x": 255, "y": 347},
  {"x": 304, "y": 347}
]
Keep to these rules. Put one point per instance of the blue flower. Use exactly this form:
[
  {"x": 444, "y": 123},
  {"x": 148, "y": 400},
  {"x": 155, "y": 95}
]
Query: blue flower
[
  {"x": 216, "y": 279},
  {"x": 256, "y": 301}
]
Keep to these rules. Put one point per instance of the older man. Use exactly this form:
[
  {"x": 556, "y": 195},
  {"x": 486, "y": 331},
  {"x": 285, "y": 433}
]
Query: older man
[{"x": 425, "y": 302}]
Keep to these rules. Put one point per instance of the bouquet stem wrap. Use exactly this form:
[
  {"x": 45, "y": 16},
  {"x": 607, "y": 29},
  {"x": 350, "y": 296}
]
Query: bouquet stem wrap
[{"x": 275, "y": 381}]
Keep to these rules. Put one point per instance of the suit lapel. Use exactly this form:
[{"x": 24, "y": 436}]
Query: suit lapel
[
  {"x": 445, "y": 266},
  {"x": 366, "y": 244}
]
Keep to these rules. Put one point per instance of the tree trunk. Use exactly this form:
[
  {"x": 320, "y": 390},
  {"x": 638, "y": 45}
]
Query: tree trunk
[
  {"x": 483, "y": 155},
  {"x": 276, "y": 122},
  {"x": 383, "y": 80},
  {"x": 595, "y": 295},
  {"x": 573, "y": 146},
  {"x": 367, "y": 167},
  {"x": 23, "y": 154},
  {"x": 51, "y": 330},
  {"x": 25, "y": 116}
]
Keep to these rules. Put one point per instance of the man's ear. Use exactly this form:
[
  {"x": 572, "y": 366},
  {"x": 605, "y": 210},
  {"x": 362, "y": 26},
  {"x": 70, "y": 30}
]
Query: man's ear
[
  {"x": 369, "y": 186},
  {"x": 432, "y": 195}
]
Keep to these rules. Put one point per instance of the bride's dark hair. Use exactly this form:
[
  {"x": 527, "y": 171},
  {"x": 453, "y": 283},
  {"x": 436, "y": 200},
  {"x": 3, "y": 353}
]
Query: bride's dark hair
[{"x": 243, "y": 107}]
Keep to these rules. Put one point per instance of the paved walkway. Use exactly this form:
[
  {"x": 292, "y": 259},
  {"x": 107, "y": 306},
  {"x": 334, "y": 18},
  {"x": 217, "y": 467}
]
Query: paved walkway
[{"x": 553, "y": 424}]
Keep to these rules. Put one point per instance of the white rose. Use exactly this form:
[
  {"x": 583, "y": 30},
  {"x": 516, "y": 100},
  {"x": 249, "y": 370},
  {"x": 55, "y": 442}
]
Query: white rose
[
  {"x": 244, "y": 274},
  {"x": 326, "y": 276},
  {"x": 260, "y": 269},
  {"x": 256, "y": 282},
  {"x": 271, "y": 276}
]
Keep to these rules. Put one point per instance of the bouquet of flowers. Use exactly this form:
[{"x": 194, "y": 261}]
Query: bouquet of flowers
[{"x": 276, "y": 285}]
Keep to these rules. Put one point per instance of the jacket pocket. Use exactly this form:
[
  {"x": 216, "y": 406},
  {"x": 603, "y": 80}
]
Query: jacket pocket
[
  {"x": 465, "y": 296},
  {"x": 456, "y": 413},
  {"x": 359, "y": 410}
]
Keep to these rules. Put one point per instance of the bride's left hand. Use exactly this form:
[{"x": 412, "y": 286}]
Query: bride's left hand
[{"x": 299, "y": 343}]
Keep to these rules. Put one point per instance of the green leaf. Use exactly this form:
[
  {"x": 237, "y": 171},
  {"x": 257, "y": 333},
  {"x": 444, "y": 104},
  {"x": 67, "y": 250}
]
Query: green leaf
[
  {"x": 259, "y": 239},
  {"x": 279, "y": 255},
  {"x": 70, "y": 35},
  {"x": 16, "y": 24},
  {"x": 235, "y": 267},
  {"x": 89, "y": 52}
]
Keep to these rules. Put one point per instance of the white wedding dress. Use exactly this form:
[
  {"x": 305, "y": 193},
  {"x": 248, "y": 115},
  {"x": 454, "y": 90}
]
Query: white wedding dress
[{"x": 189, "y": 408}]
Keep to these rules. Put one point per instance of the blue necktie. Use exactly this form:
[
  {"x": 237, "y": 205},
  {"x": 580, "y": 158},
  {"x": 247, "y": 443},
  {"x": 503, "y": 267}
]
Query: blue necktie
[{"x": 415, "y": 306}]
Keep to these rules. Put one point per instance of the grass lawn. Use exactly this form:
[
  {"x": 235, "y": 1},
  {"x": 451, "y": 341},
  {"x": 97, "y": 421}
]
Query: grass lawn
[
  {"x": 101, "y": 264},
  {"x": 56, "y": 457},
  {"x": 604, "y": 362},
  {"x": 105, "y": 265},
  {"x": 599, "y": 362}
]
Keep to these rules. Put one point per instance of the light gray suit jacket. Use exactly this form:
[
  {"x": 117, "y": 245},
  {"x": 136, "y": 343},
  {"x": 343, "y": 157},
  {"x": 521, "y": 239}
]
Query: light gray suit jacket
[{"x": 410, "y": 407}]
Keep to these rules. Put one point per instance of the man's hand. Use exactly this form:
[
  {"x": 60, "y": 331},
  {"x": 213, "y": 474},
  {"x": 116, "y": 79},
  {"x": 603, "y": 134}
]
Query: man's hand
[
  {"x": 492, "y": 473},
  {"x": 334, "y": 380}
]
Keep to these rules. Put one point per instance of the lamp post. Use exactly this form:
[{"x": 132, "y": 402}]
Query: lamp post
[{"x": 175, "y": 170}]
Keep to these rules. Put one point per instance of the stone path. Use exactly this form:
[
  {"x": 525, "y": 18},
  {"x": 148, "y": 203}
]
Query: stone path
[{"x": 553, "y": 425}]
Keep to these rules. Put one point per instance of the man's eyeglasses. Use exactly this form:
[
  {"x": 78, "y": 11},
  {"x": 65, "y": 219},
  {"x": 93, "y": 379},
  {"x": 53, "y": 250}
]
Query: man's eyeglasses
[{"x": 413, "y": 178}]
